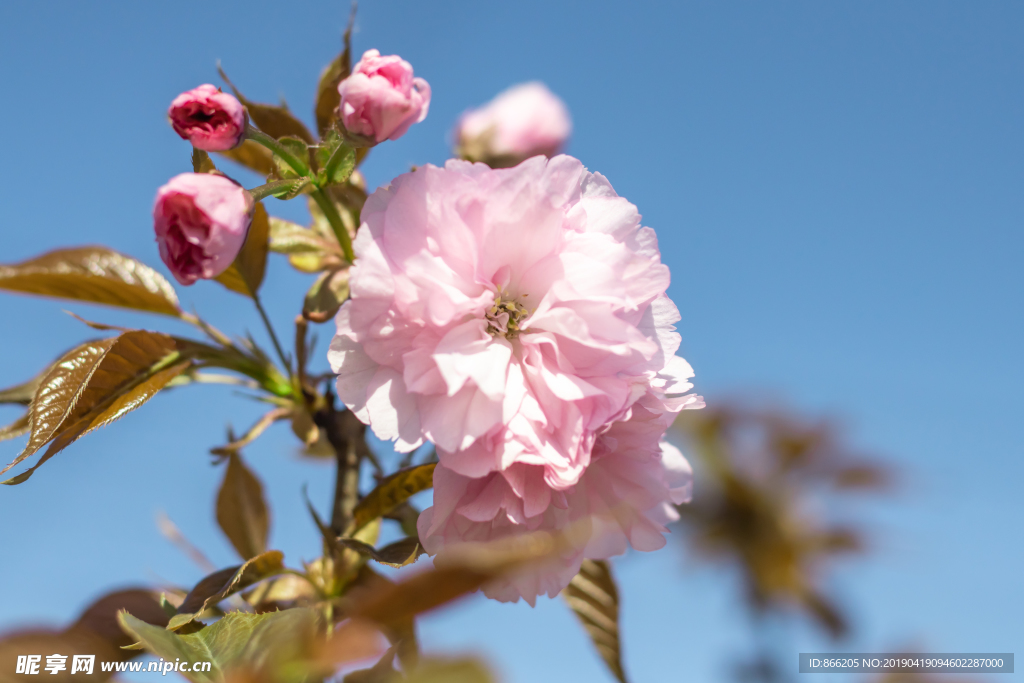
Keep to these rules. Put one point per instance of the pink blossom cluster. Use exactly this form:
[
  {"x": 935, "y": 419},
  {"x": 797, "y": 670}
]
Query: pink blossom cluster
[{"x": 517, "y": 318}]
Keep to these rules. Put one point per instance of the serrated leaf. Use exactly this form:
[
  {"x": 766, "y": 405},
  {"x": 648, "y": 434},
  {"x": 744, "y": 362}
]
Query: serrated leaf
[
  {"x": 93, "y": 274},
  {"x": 327, "y": 96},
  {"x": 95, "y": 384},
  {"x": 325, "y": 297},
  {"x": 253, "y": 156},
  {"x": 398, "y": 554},
  {"x": 594, "y": 599},
  {"x": 16, "y": 428},
  {"x": 225, "y": 583},
  {"x": 238, "y": 640},
  {"x": 392, "y": 492},
  {"x": 245, "y": 275},
  {"x": 242, "y": 510},
  {"x": 275, "y": 121}
]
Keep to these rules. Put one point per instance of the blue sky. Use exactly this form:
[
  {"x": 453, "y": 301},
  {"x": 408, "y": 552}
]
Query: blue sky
[{"x": 837, "y": 187}]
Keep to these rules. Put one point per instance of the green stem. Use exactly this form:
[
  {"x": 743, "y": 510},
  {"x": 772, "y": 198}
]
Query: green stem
[
  {"x": 334, "y": 218},
  {"x": 273, "y": 335},
  {"x": 257, "y": 135},
  {"x": 276, "y": 187}
]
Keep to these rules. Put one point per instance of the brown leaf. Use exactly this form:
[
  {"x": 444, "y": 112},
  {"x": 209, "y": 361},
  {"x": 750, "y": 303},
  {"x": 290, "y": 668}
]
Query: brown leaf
[
  {"x": 325, "y": 297},
  {"x": 101, "y": 616},
  {"x": 201, "y": 162},
  {"x": 465, "y": 569},
  {"x": 275, "y": 121},
  {"x": 595, "y": 600},
  {"x": 95, "y": 384},
  {"x": 241, "y": 509},
  {"x": 225, "y": 583},
  {"x": 93, "y": 274},
  {"x": 398, "y": 554},
  {"x": 246, "y": 273},
  {"x": 392, "y": 492},
  {"x": 327, "y": 96},
  {"x": 253, "y": 156},
  {"x": 16, "y": 428}
]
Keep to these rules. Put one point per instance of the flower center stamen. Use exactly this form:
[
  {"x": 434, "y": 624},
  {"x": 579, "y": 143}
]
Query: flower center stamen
[{"x": 505, "y": 316}]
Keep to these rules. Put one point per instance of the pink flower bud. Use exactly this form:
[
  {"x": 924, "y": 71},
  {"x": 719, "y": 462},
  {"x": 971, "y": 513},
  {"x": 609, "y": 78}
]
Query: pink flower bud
[
  {"x": 208, "y": 118},
  {"x": 200, "y": 221},
  {"x": 381, "y": 99},
  {"x": 522, "y": 122}
]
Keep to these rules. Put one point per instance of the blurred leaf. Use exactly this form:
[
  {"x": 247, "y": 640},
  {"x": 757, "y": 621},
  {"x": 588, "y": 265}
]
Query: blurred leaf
[
  {"x": 96, "y": 632},
  {"x": 101, "y": 616},
  {"x": 241, "y": 509},
  {"x": 392, "y": 492},
  {"x": 595, "y": 600},
  {"x": 291, "y": 238},
  {"x": 225, "y": 583},
  {"x": 253, "y": 156},
  {"x": 764, "y": 471},
  {"x": 93, "y": 274},
  {"x": 95, "y": 384},
  {"x": 246, "y": 273},
  {"x": 381, "y": 672},
  {"x": 284, "y": 590},
  {"x": 201, "y": 162},
  {"x": 275, "y": 121},
  {"x": 268, "y": 642},
  {"x": 398, "y": 554},
  {"x": 23, "y": 392},
  {"x": 325, "y": 297},
  {"x": 303, "y": 426},
  {"x": 16, "y": 428},
  {"x": 327, "y": 96},
  {"x": 464, "y": 569},
  {"x": 450, "y": 671}
]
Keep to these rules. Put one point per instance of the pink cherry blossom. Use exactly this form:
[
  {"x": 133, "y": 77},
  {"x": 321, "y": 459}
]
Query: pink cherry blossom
[
  {"x": 208, "y": 118},
  {"x": 381, "y": 99},
  {"x": 200, "y": 220},
  {"x": 513, "y": 317},
  {"x": 525, "y": 120}
]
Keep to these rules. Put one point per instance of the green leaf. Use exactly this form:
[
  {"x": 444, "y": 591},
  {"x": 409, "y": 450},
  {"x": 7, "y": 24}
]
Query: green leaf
[
  {"x": 95, "y": 384},
  {"x": 325, "y": 297},
  {"x": 327, "y": 97},
  {"x": 593, "y": 597},
  {"x": 245, "y": 275},
  {"x": 398, "y": 554},
  {"x": 392, "y": 492},
  {"x": 225, "y": 583},
  {"x": 241, "y": 509},
  {"x": 275, "y": 121},
  {"x": 254, "y": 642},
  {"x": 339, "y": 166},
  {"x": 93, "y": 274}
]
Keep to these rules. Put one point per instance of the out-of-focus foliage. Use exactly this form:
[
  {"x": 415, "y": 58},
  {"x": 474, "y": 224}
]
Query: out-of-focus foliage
[
  {"x": 594, "y": 599},
  {"x": 763, "y": 498}
]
